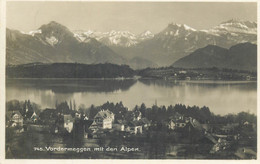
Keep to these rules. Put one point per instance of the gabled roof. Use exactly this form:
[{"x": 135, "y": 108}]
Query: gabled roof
[
  {"x": 104, "y": 114},
  {"x": 196, "y": 124},
  {"x": 10, "y": 114},
  {"x": 34, "y": 115},
  {"x": 93, "y": 123}
]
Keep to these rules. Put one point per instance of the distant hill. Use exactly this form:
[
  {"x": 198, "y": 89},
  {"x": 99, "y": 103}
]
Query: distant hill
[
  {"x": 68, "y": 70},
  {"x": 241, "y": 57}
]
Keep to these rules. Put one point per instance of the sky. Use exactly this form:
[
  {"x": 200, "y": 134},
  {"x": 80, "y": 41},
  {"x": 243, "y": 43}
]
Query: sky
[{"x": 135, "y": 17}]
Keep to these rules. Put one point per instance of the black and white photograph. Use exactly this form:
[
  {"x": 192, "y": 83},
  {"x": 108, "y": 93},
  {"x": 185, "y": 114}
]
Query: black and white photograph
[{"x": 130, "y": 80}]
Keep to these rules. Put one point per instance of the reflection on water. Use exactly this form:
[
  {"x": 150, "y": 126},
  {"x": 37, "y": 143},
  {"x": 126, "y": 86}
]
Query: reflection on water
[
  {"x": 221, "y": 97},
  {"x": 73, "y": 85}
]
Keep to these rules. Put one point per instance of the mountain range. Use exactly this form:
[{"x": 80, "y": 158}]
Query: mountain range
[
  {"x": 54, "y": 42},
  {"x": 114, "y": 38},
  {"x": 242, "y": 56},
  {"x": 179, "y": 40}
]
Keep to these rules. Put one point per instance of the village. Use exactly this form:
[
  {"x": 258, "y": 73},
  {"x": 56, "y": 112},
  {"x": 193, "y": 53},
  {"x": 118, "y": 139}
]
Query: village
[
  {"x": 214, "y": 136},
  {"x": 170, "y": 73}
]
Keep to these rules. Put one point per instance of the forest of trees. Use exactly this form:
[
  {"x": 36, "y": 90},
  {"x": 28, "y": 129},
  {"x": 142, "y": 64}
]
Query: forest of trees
[
  {"x": 69, "y": 70},
  {"x": 156, "y": 114},
  {"x": 107, "y": 70}
]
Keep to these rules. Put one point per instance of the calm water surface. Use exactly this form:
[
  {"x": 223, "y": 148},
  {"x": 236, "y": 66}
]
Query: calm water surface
[{"x": 220, "y": 96}]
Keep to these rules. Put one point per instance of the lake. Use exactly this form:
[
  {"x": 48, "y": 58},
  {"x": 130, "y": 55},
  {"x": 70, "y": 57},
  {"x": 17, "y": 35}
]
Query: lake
[{"x": 222, "y": 97}]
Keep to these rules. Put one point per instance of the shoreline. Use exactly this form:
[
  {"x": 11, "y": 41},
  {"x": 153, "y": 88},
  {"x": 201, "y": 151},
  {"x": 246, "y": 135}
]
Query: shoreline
[{"x": 141, "y": 78}]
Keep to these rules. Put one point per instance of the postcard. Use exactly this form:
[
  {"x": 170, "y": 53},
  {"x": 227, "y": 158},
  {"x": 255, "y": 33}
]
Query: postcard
[{"x": 117, "y": 80}]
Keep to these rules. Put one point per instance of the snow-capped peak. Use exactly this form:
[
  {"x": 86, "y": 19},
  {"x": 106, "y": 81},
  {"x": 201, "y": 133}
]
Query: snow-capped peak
[
  {"x": 234, "y": 20},
  {"x": 146, "y": 35},
  {"x": 188, "y": 27},
  {"x": 113, "y": 37},
  {"x": 177, "y": 30},
  {"x": 89, "y": 32},
  {"x": 79, "y": 37},
  {"x": 32, "y": 33},
  {"x": 235, "y": 26},
  {"x": 35, "y": 32},
  {"x": 177, "y": 26}
]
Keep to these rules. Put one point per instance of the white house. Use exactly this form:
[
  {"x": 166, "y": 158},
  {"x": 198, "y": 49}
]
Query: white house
[
  {"x": 34, "y": 117},
  {"x": 15, "y": 118},
  {"x": 68, "y": 122},
  {"x": 104, "y": 119}
]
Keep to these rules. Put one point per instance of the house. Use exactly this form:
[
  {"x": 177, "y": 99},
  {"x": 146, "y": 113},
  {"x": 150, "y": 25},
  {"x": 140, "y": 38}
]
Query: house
[
  {"x": 134, "y": 127},
  {"x": 207, "y": 127},
  {"x": 180, "y": 123},
  {"x": 68, "y": 122},
  {"x": 15, "y": 118},
  {"x": 173, "y": 124},
  {"x": 137, "y": 115},
  {"x": 77, "y": 115},
  {"x": 94, "y": 126},
  {"x": 177, "y": 116},
  {"x": 193, "y": 124},
  {"x": 34, "y": 117},
  {"x": 177, "y": 121},
  {"x": 119, "y": 125},
  {"x": 145, "y": 123},
  {"x": 103, "y": 120},
  {"x": 196, "y": 124},
  {"x": 182, "y": 72},
  {"x": 85, "y": 117},
  {"x": 229, "y": 127}
]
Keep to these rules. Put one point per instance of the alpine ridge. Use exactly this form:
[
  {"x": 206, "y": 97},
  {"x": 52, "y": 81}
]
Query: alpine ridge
[{"x": 54, "y": 42}]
